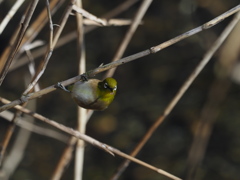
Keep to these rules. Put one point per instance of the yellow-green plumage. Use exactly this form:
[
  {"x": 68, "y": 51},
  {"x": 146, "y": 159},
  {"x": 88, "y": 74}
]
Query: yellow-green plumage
[{"x": 94, "y": 94}]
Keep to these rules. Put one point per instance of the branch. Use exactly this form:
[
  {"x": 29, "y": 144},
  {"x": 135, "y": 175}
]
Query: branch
[
  {"x": 110, "y": 22},
  {"x": 82, "y": 113},
  {"x": 5, "y": 63},
  {"x": 72, "y": 35},
  {"x": 88, "y": 15},
  {"x": 119, "y": 62},
  {"x": 92, "y": 141},
  {"x": 128, "y": 36},
  {"x": 21, "y": 122},
  {"x": 10, "y": 14},
  {"x": 52, "y": 43},
  {"x": 180, "y": 93}
]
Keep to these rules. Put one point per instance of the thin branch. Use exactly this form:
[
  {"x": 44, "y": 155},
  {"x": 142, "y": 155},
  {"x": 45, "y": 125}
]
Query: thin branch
[
  {"x": 129, "y": 34},
  {"x": 110, "y": 22},
  {"x": 34, "y": 128},
  {"x": 211, "y": 109},
  {"x": 20, "y": 143},
  {"x": 63, "y": 22},
  {"x": 208, "y": 117},
  {"x": 16, "y": 153},
  {"x": 51, "y": 45},
  {"x": 180, "y": 93},
  {"x": 119, "y": 62},
  {"x": 67, "y": 154},
  {"x": 205, "y": 26},
  {"x": 88, "y": 15},
  {"x": 93, "y": 20},
  {"x": 72, "y": 35},
  {"x": 10, "y": 14},
  {"x": 65, "y": 159},
  {"x": 91, "y": 140},
  {"x": 40, "y": 22},
  {"x": 5, "y": 63},
  {"x": 6, "y": 141},
  {"x": 82, "y": 113},
  {"x": 50, "y": 26},
  {"x": 31, "y": 33}
]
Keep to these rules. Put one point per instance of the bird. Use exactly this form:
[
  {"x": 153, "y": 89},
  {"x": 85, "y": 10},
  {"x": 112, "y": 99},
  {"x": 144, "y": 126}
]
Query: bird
[{"x": 93, "y": 94}]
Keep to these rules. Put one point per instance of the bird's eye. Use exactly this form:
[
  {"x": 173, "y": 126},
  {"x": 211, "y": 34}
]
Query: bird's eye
[
  {"x": 115, "y": 88},
  {"x": 105, "y": 85}
]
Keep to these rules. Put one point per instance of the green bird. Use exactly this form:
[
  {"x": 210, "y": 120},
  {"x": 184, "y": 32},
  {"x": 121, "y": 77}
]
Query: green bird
[{"x": 93, "y": 93}]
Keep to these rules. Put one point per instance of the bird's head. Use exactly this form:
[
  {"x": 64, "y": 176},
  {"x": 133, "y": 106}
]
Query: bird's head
[{"x": 108, "y": 85}]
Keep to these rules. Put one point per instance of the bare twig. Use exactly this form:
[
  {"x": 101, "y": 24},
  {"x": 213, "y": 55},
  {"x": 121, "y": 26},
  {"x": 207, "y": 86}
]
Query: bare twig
[
  {"x": 72, "y": 35},
  {"x": 6, "y": 62},
  {"x": 52, "y": 43},
  {"x": 91, "y": 140},
  {"x": 65, "y": 159},
  {"x": 31, "y": 32},
  {"x": 109, "y": 22},
  {"x": 88, "y": 15},
  {"x": 128, "y": 36},
  {"x": 205, "y": 26},
  {"x": 17, "y": 151},
  {"x": 119, "y": 62},
  {"x": 19, "y": 145},
  {"x": 209, "y": 114},
  {"x": 180, "y": 93},
  {"x": 40, "y": 22},
  {"x": 50, "y": 26},
  {"x": 93, "y": 20},
  {"x": 6, "y": 141},
  {"x": 82, "y": 113},
  {"x": 136, "y": 21},
  {"x": 10, "y": 14},
  {"x": 211, "y": 109},
  {"x": 66, "y": 156},
  {"x": 34, "y": 128}
]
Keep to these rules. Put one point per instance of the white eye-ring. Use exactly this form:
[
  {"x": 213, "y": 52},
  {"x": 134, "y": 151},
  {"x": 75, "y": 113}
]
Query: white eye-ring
[
  {"x": 105, "y": 85},
  {"x": 115, "y": 88}
]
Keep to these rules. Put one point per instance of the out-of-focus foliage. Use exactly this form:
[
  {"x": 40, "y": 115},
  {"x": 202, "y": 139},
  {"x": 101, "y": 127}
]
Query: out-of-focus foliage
[{"x": 145, "y": 87}]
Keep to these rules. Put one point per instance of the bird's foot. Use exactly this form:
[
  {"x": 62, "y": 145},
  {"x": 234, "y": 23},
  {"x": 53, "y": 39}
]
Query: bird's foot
[
  {"x": 60, "y": 86},
  {"x": 84, "y": 77}
]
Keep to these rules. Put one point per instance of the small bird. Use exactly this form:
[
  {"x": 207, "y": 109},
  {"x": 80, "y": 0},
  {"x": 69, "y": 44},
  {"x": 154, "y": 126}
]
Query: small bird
[{"x": 93, "y": 93}]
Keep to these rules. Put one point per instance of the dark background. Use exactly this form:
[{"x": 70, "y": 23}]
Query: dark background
[{"x": 145, "y": 87}]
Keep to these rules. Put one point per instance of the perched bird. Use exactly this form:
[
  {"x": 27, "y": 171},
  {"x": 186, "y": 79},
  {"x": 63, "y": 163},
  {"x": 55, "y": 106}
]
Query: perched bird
[{"x": 93, "y": 93}]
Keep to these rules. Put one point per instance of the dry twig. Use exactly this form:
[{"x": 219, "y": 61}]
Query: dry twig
[
  {"x": 210, "y": 110},
  {"x": 66, "y": 156},
  {"x": 72, "y": 35},
  {"x": 10, "y": 14},
  {"x": 180, "y": 93},
  {"x": 91, "y": 140},
  {"x": 52, "y": 43},
  {"x": 82, "y": 113},
  {"x": 21, "y": 122},
  {"x": 128, "y": 36},
  {"x": 7, "y": 60},
  {"x": 119, "y": 62}
]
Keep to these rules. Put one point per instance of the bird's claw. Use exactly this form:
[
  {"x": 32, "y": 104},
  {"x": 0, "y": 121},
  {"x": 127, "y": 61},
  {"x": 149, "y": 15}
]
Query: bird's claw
[
  {"x": 60, "y": 86},
  {"x": 84, "y": 77}
]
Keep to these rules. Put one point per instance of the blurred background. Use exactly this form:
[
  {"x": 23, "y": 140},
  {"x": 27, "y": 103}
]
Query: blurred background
[{"x": 145, "y": 88}]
